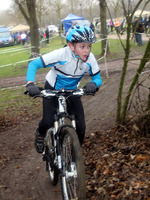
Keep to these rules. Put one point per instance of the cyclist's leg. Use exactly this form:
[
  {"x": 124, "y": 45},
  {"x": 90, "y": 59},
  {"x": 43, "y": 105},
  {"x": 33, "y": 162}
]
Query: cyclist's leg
[
  {"x": 46, "y": 122},
  {"x": 49, "y": 110},
  {"x": 75, "y": 107}
]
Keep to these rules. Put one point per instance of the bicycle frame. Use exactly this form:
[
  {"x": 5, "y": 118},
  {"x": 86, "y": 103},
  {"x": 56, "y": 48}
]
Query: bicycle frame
[{"x": 60, "y": 116}]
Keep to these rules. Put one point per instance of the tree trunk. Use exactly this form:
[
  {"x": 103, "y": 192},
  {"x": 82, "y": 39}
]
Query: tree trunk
[
  {"x": 31, "y": 19},
  {"x": 122, "y": 111},
  {"x": 124, "y": 70},
  {"x": 104, "y": 33},
  {"x": 144, "y": 60},
  {"x": 33, "y": 26}
]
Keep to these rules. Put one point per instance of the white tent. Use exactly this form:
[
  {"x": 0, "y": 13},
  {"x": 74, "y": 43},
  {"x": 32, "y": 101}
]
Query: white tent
[
  {"x": 20, "y": 27},
  {"x": 138, "y": 12}
]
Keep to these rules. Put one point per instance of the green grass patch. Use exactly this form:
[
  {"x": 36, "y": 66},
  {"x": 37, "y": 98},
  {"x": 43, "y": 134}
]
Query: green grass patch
[
  {"x": 15, "y": 100},
  {"x": 14, "y": 60},
  {"x": 17, "y": 108}
]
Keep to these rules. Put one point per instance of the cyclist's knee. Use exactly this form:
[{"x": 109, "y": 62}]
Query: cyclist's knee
[{"x": 45, "y": 124}]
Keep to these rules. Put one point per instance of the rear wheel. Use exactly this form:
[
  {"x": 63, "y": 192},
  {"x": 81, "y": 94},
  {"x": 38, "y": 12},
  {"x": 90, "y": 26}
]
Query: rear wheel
[
  {"x": 73, "y": 177},
  {"x": 50, "y": 160}
]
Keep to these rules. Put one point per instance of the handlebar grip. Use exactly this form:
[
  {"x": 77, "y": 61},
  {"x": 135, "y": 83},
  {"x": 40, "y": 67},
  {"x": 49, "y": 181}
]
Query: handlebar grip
[{"x": 27, "y": 91}]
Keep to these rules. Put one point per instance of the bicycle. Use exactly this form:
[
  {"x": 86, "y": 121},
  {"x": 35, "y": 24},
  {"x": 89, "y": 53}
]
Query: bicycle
[{"x": 62, "y": 150}]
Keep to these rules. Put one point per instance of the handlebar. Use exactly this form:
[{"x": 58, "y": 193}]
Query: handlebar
[{"x": 62, "y": 92}]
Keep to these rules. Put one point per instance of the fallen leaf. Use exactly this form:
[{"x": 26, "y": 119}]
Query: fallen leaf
[
  {"x": 106, "y": 171},
  {"x": 141, "y": 158}
]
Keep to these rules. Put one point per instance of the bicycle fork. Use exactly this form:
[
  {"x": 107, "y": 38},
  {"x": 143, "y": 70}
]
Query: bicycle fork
[{"x": 57, "y": 124}]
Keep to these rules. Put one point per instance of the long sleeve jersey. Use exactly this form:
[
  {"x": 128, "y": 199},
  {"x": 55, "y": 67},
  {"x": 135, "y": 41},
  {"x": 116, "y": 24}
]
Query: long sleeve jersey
[{"x": 66, "y": 70}]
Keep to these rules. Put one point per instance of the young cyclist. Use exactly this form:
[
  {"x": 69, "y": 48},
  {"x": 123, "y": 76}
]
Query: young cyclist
[{"x": 67, "y": 66}]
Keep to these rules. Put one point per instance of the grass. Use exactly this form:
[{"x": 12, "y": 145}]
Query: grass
[
  {"x": 17, "y": 107},
  {"x": 13, "y": 58}
]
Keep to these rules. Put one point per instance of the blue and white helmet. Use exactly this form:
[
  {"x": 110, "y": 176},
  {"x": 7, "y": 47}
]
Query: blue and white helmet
[{"x": 81, "y": 34}]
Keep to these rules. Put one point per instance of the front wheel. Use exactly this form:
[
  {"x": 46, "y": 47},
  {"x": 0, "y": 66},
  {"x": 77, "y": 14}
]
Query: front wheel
[{"x": 73, "y": 177}]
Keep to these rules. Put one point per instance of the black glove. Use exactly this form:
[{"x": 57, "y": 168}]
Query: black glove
[
  {"x": 90, "y": 88},
  {"x": 33, "y": 90}
]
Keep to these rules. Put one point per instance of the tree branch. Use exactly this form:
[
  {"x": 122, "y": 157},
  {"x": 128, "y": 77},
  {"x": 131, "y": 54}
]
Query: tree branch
[{"x": 23, "y": 11}]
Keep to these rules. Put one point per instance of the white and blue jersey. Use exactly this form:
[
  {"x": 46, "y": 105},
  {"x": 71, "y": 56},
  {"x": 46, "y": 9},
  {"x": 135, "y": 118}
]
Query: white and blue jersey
[{"x": 66, "y": 69}]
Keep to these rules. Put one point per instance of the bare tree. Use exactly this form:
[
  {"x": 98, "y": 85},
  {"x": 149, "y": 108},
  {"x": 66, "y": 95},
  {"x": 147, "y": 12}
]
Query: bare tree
[
  {"x": 90, "y": 9},
  {"x": 46, "y": 12},
  {"x": 41, "y": 9},
  {"x": 116, "y": 6},
  {"x": 58, "y": 5},
  {"x": 28, "y": 10},
  {"x": 122, "y": 106},
  {"x": 103, "y": 6}
]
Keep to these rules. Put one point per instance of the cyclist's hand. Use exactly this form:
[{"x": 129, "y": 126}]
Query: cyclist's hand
[
  {"x": 33, "y": 90},
  {"x": 90, "y": 88}
]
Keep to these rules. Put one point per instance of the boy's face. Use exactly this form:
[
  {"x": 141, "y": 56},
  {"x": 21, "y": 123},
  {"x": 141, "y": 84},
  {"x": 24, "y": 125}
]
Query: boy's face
[{"x": 81, "y": 49}]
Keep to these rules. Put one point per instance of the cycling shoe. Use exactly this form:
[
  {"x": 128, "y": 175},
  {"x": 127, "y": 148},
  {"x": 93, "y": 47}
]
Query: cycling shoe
[{"x": 39, "y": 142}]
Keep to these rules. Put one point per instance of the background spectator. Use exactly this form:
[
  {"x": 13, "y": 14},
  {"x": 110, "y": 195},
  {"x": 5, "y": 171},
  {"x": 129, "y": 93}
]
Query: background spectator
[
  {"x": 23, "y": 37},
  {"x": 47, "y": 35},
  {"x": 92, "y": 27},
  {"x": 138, "y": 28},
  {"x": 146, "y": 23},
  {"x": 111, "y": 23}
]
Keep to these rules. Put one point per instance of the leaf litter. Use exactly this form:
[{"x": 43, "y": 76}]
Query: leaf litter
[{"x": 117, "y": 165}]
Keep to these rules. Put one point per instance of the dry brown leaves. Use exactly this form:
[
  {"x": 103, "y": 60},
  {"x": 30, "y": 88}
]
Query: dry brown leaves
[
  {"x": 117, "y": 165},
  {"x": 12, "y": 121}
]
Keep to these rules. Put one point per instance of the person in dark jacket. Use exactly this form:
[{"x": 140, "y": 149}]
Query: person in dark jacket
[
  {"x": 138, "y": 29},
  {"x": 47, "y": 35},
  {"x": 92, "y": 27},
  {"x": 146, "y": 24}
]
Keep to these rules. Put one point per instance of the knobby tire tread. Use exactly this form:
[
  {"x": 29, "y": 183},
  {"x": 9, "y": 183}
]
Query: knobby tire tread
[{"x": 78, "y": 159}]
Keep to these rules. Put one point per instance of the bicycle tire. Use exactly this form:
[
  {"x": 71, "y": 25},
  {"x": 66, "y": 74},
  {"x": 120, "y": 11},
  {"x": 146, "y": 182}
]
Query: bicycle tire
[
  {"x": 50, "y": 165},
  {"x": 73, "y": 177}
]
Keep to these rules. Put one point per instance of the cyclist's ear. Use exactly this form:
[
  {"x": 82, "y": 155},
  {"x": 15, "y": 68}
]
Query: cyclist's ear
[{"x": 71, "y": 46}]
